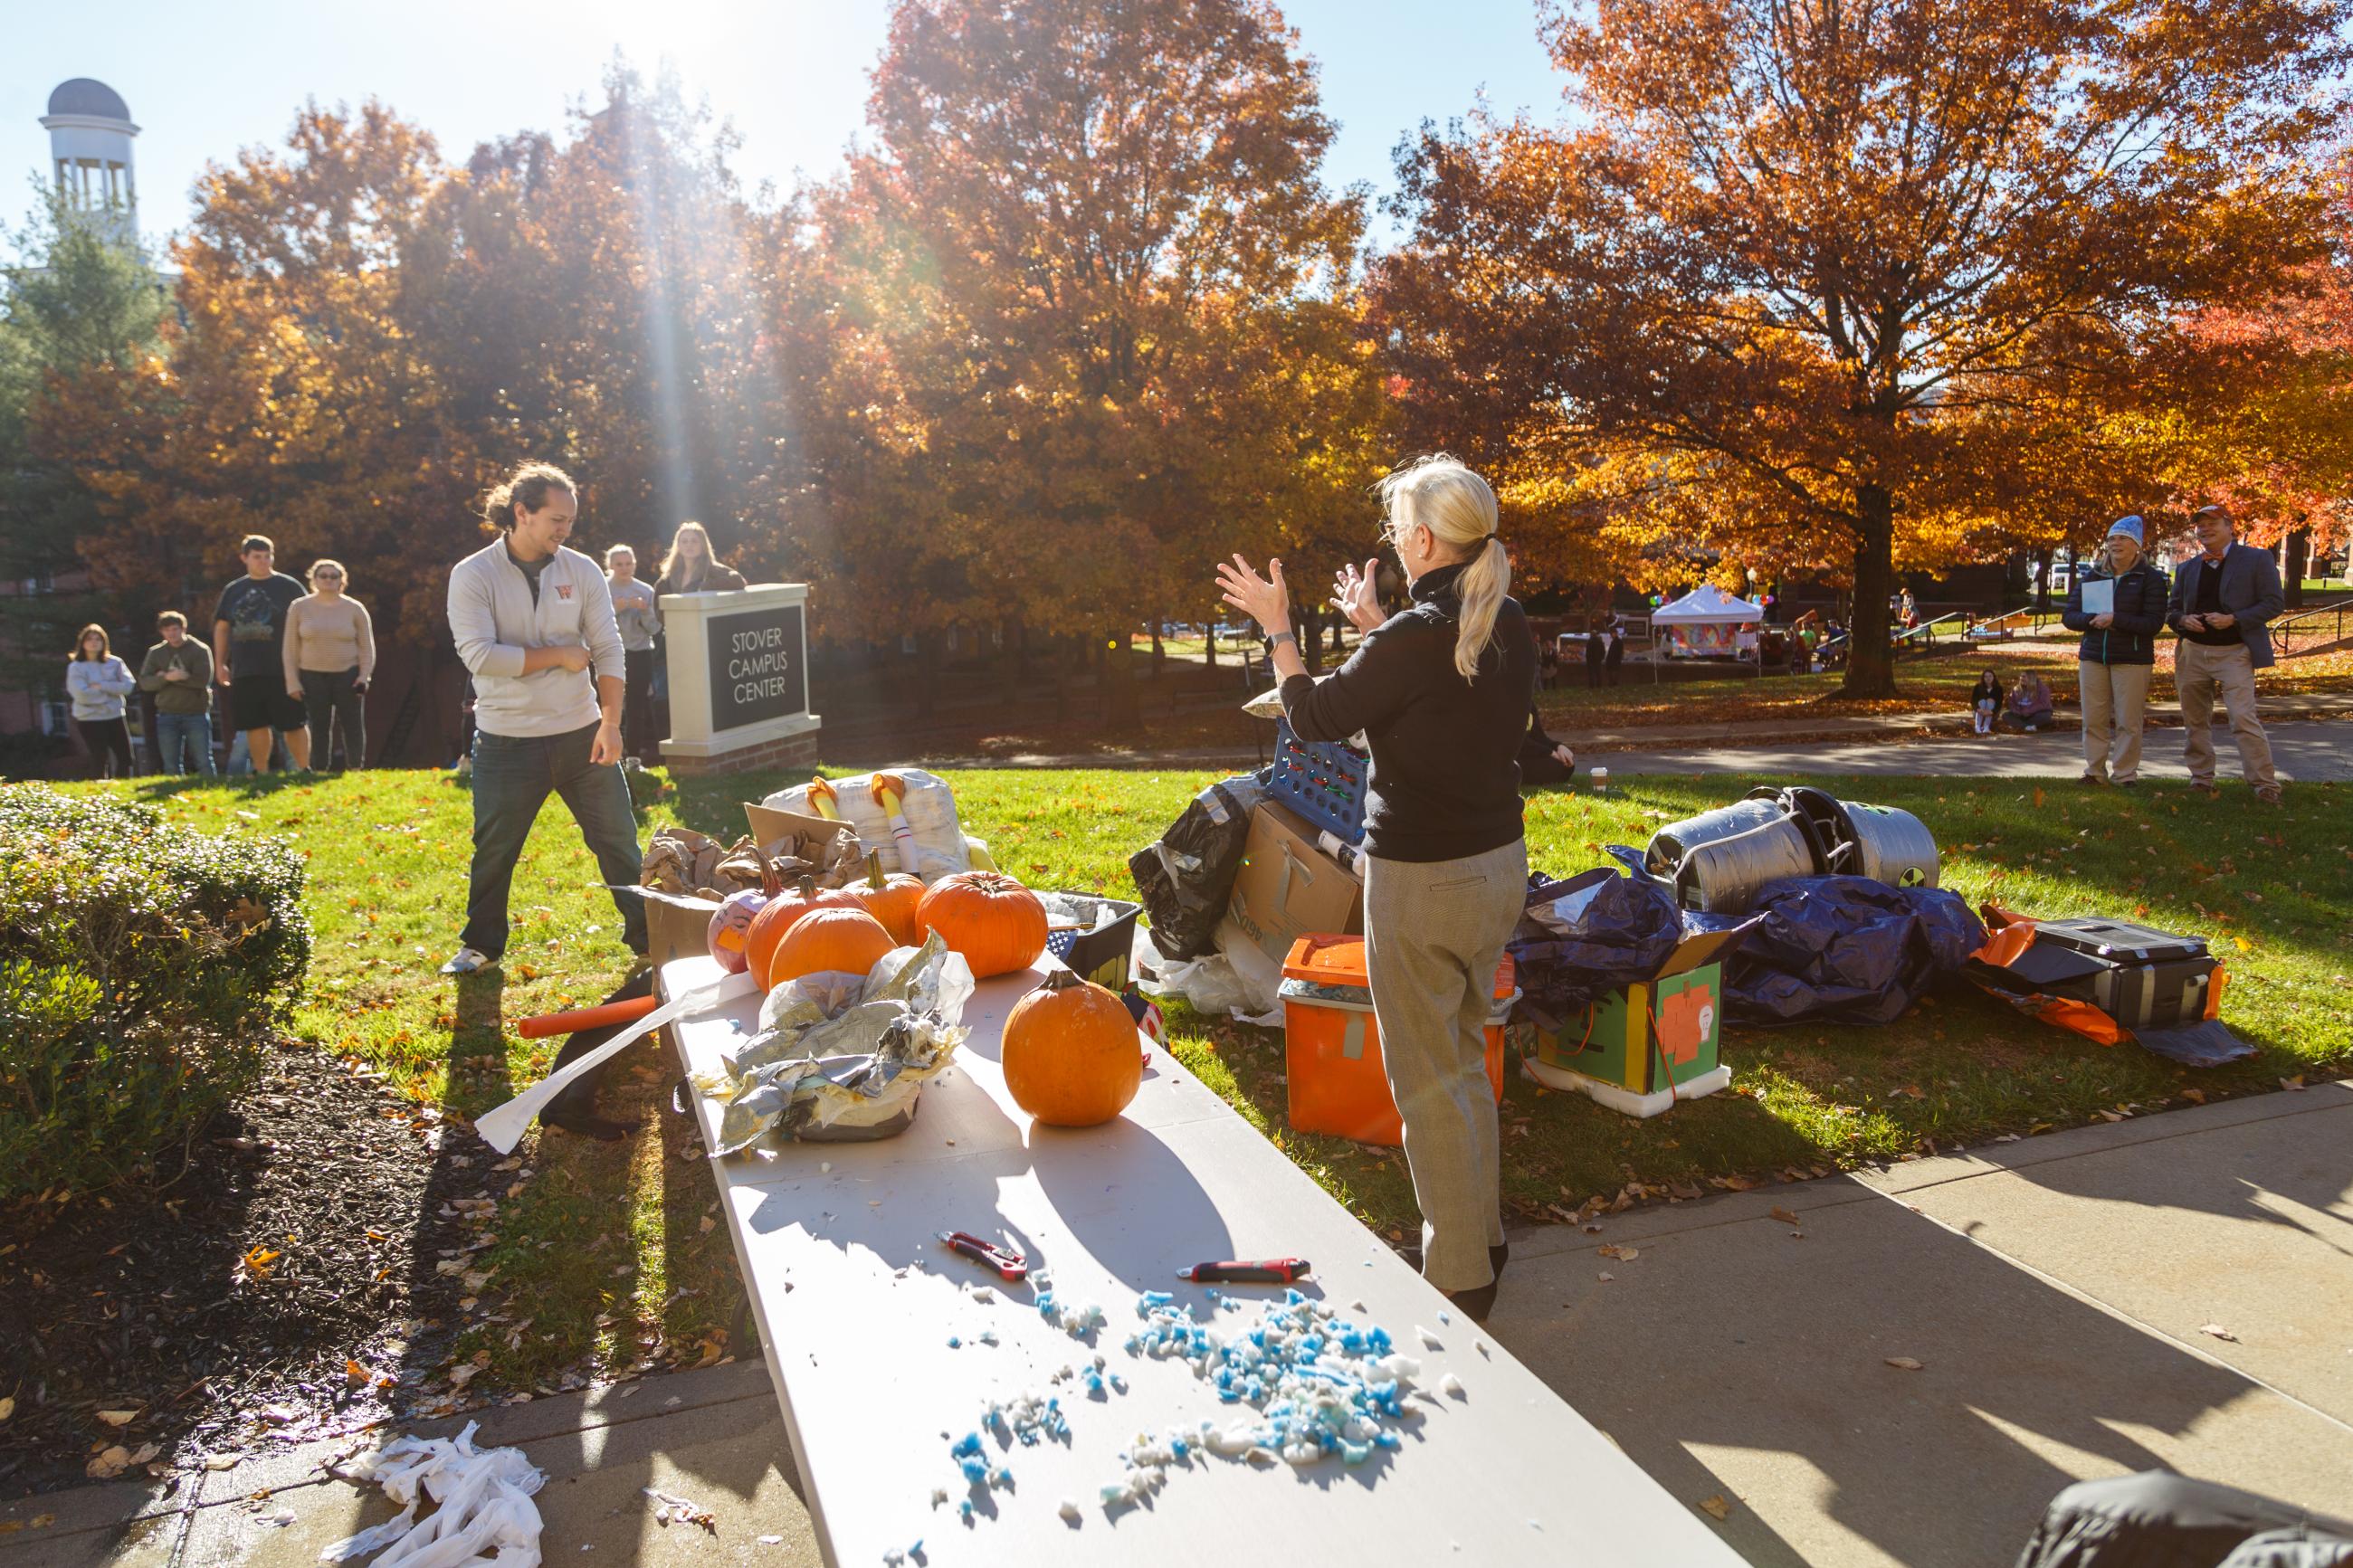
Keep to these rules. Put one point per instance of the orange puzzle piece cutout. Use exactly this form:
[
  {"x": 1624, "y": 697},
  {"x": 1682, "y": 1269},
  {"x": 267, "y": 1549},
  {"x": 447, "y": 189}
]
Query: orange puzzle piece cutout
[{"x": 1685, "y": 1020}]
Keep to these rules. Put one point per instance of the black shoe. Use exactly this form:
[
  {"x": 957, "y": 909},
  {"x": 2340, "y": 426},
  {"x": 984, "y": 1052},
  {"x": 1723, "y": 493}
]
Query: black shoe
[
  {"x": 1473, "y": 1304},
  {"x": 1497, "y": 1256},
  {"x": 586, "y": 1124}
]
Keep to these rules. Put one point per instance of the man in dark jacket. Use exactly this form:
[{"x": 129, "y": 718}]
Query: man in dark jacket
[
  {"x": 2118, "y": 650},
  {"x": 2222, "y": 604}
]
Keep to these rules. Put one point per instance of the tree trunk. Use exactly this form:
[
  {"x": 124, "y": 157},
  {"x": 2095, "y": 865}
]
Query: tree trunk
[
  {"x": 1065, "y": 652},
  {"x": 927, "y": 673},
  {"x": 1209, "y": 641},
  {"x": 1008, "y": 662},
  {"x": 1310, "y": 627},
  {"x": 1160, "y": 652},
  {"x": 1122, "y": 708},
  {"x": 2043, "y": 582},
  {"x": 2299, "y": 557},
  {"x": 1871, "y": 661}
]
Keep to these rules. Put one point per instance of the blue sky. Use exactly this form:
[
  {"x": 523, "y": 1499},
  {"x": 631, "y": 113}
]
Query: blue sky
[{"x": 204, "y": 81}]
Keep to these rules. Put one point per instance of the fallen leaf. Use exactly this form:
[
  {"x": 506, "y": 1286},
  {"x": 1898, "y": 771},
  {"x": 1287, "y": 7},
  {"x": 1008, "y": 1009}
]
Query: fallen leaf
[
  {"x": 1716, "y": 1507},
  {"x": 2294, "y": 1085},
  {"x": 2219, "y": 1331},
  {"x": 1905, "y": 1364},
  {"x": 706, "y": 1224},
  {"x": 2194, "y": 1096},
  {"x": 118, "y": 1417},
  {"x": 2038, "y": 799},
  {"x": 7, "y": 1408},
  {"x": 1606, "y": 1278},
  {"x": 146, "y": 1451},
  {"x": 221, "y": 1461},
  {"x": 1784, "y": 1216},
  {"x": 108, "y": 1465}
]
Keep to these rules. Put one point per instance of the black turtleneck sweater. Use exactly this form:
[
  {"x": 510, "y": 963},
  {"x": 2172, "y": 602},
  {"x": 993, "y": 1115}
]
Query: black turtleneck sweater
[{"x": 1445, "y": 778}]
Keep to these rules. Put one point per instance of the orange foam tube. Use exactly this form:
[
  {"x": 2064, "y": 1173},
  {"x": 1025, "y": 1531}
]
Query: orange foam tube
[{"x": 581, "y": 1018}]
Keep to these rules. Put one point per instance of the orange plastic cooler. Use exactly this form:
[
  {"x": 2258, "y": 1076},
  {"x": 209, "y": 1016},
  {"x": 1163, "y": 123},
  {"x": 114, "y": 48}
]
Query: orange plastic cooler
[{"x": 1331, "y": 1045}]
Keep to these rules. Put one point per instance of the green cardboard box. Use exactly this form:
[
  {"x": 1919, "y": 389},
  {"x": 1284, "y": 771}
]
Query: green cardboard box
[{"x": 1661, "y": 1032}]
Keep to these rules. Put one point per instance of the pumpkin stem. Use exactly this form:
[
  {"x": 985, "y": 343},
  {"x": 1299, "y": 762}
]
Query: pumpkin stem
[
  {"x": 874, "y": 870},
  {"x": 771, "y": 885},
  {"x": 1060, "y": 980},
  {"x": 807, "y": 888}
]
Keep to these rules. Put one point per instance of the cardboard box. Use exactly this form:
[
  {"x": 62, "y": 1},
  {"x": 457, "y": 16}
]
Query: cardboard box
[
  {"x": 1288, "y": 886},
  {"x": 678, "y": 926},
  {"x": 791, "y": 833},
  {"x": 1652, "y": 1042}
]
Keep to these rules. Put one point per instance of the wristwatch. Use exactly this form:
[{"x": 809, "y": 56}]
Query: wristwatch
[{"x": 1291, "y": 637}]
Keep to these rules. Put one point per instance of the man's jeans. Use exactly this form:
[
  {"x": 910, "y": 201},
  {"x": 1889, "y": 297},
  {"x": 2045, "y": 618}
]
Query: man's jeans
[
  {"x": 186, "y": 742},
  {"x": 513, "y": 776}
]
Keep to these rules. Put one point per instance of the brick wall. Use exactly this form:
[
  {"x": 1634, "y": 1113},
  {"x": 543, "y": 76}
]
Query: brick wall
[{"x": 793, "y": 750}]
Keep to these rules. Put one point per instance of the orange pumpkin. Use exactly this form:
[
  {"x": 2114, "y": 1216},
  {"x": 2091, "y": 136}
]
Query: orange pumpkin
[
  {"x": 1069, "y": 1053},
  {"x": 996, "y": 922},
  {"x": 778, "y": 916},
  {"x": 892, "y": 899},
  {"x": 825, "y": 940}
]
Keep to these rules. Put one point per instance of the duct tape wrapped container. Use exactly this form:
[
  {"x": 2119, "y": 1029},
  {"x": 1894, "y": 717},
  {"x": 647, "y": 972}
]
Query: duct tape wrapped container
[
  {"x": 843, "y": 1057},
  {"x": 1720, "y": 860}
]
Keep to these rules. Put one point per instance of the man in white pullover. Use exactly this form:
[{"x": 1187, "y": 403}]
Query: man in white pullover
[{"x": 534, "y": 624}]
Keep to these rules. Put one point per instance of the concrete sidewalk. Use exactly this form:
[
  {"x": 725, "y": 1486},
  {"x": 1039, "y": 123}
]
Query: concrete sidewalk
[
  {"x": 2057, "y": 1292},
  {"x": 2302, "y": 752}
]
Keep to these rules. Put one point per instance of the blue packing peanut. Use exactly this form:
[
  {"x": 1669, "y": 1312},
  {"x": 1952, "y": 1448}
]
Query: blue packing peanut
[
  {"x": 1047, "y": 1308},
  {"x": 975, "y": 1470},
  {"x": 1355, "y": 1453},
  {"x": 1000, "y": 1476},
  {"x": 964, "y": 1508},
  {"x": 1151, "y": 1299},
  {"x": 1379, "y": 1342},
  {"x": 1292, "y": 1297},
  {"x": 954, "y": 1342},
  {"x": 965, "y": 1445}
]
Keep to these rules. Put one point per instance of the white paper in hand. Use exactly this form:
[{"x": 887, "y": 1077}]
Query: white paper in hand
[{"x": 2100, "y": 597}]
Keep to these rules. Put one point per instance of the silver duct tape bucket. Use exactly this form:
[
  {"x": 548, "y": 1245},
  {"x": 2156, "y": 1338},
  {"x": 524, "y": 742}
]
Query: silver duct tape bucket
[
  {"x": 1676, "y": 840},
  {"x": 1894, "y": 845},
  {"x": 1722, "y": 875}
]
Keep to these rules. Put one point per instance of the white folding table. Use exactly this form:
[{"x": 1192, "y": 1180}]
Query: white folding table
[{"x": 856, "y": 1302}]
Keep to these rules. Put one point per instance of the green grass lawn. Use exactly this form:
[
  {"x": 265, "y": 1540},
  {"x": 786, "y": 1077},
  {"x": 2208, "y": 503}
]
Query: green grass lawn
[{"x": 609, "y": 1256}]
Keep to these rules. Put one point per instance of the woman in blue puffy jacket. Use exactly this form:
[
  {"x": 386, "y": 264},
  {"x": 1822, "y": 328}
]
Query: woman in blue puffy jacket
[{"x": 2118, "y": 650}]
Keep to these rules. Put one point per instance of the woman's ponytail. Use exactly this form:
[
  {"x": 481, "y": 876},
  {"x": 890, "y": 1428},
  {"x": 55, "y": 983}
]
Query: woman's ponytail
[
  {"x": 1483, "y": 584},
  {"x": 1447, "y": 496}
]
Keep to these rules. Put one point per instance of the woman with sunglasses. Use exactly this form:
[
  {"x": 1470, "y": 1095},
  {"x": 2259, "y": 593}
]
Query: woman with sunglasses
[{"x": 329, "y": 659}]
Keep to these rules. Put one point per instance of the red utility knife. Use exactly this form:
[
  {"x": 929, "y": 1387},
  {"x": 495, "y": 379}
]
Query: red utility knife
[
  {"x": 1259, "y": 1271},
  {"x": 1008, "y": 1264}
]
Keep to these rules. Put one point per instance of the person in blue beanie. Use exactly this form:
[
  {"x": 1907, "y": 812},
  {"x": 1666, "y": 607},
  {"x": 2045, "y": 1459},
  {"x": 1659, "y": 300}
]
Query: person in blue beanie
[{"x": 2118, "y": 651}]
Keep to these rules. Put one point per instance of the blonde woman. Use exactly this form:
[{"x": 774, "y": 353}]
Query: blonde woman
[
  {"x": 690, "y": 567},
  {"x": 1442, "y": 691},
  {"x": 329, "y": 659}
]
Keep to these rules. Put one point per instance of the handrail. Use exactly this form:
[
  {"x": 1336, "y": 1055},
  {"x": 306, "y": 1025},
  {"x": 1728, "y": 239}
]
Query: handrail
[{"x": 2281, "y": 633}]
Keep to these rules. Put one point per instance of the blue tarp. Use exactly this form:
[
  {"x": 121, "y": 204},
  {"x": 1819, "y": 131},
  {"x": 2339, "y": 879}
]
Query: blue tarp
[{"x": 1846, "y": 949}]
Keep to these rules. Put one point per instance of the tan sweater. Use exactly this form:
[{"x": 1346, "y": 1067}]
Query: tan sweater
[{"x": 326, "y": 636}]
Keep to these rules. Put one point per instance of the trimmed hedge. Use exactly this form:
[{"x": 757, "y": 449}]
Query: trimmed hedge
[{"x": 140, "y": 965}]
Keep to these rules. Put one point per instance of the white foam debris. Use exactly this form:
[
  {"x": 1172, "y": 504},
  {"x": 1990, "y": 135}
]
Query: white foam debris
[
  {"x": 1429, "y": 1337},
  {"x": 1451, "y": 1386},
  {"x": 1070, "y": 1510}
]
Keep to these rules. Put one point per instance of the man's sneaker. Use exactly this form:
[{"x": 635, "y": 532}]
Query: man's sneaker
[
  {"x": 2269, "y": 794},
  {"x": 466, "y": 961},
  {"x": 2091, "y": 779}
]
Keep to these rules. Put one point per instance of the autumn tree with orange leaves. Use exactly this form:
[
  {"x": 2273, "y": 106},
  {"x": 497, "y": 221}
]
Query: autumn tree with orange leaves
[
  {"x": 1091, "y": 300},
  {"x": 1800, "y": 276}
]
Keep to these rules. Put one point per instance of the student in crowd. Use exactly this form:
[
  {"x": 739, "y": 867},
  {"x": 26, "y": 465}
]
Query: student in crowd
[
  {"x": 634, "y": 611},
  {"x": 1443, "y": 689},
  {"x": 1984, "y": 701},
  {"x": 535, "y": 627},
  {"x": 2222, "y": 603},
  {"x": 329, "y": 659},
  {"x": 691, "y": 568},
  {"x": 98, "y": 683},
  {"x": 250, "y": 656},
  {"x": 178, "y": 671},
  {"x": 2028, "y": 708},
  {"x": 2117, "y": 653}
]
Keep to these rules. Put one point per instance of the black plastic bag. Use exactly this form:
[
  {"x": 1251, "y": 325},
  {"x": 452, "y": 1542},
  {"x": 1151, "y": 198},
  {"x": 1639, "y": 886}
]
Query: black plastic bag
[
  {"x": 1846, "y": 949},
  {"x": 1593, "y": 933},
  {"x": 1187, "y": 878}
]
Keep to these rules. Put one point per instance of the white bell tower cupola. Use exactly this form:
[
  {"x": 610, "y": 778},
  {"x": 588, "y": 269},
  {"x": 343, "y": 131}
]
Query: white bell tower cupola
[{"x": 89, "y": 151}]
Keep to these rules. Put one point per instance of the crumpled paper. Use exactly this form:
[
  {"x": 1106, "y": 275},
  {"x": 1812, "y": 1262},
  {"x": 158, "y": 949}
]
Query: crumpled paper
[
  {"x": 486, "y": 1514},
  {"x": 836, "y": 1052}
]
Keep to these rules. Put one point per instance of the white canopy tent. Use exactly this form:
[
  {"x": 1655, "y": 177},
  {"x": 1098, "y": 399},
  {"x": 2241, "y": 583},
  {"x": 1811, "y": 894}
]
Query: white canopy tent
[{"x": 1707, "y": 623}]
